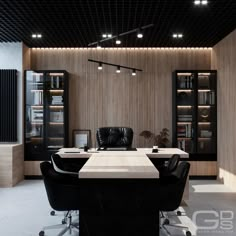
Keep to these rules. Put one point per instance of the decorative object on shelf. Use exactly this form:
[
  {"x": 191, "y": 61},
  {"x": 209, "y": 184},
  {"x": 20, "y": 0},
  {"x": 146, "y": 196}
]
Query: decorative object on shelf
[
  {"x": 117, "y": 37},
  {"x": 204, "y": 114},
  {"x": 160, "y": 140},
  {"x": 81, "y": 138},
  {"x": 100, "y": 63}
]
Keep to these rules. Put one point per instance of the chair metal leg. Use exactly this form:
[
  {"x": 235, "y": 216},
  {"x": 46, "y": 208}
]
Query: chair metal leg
[{"x": 68, "y": 227}]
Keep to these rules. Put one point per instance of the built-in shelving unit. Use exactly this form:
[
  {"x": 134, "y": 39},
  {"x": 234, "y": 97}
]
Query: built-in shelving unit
[
  {"x": 194, "y": 114},
  {"x": 46, "y": 113}
]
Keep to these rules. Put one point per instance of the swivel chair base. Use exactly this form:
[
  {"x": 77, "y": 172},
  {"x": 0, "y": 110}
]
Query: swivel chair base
[
  {"x": 69, "y": 226},
  {"x": 166, "y": 222}
]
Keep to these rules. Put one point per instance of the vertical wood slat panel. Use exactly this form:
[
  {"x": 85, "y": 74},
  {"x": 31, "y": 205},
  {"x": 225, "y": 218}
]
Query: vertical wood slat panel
[
  {"x": 104, "y": 98},
  {"x": 8, "y": 105}
]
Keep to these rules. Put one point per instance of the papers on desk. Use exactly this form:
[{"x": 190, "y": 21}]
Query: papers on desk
[{"x": 70, "y": 150}]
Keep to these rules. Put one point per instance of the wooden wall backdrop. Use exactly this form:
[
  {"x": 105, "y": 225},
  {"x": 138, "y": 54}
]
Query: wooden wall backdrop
[
  {"x": 104, "y": 98},
  {"x": 224, "y": 61}
]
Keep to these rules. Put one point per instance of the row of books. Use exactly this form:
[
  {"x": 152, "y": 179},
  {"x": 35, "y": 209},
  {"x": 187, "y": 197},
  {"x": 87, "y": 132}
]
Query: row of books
[
  {"x": 185, "y": 82},
  {"x": 38, "y": 97},
  {"x": 185, "y": 117},
  {"x": 184, "y": 131},
  {"x": 185, "y": 145},
  {"x": 57, "y": 100},
  {"x": 55, "y": 82},
  {"x": 206, "y": 98}
]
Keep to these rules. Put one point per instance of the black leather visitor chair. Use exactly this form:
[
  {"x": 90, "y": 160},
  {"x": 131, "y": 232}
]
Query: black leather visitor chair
[
  {"x": 63, "y": 195},
  {"x": 170, "y": 193},
  {"x": 114, "y": 137},
  {"x": 66, "y": 165},
  {"x": 170, "y": 166}
]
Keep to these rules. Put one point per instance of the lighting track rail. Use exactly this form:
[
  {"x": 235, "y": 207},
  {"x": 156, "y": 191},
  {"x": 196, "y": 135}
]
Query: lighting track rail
[
  {"x": 122, "y": 34},
  {"x": 100, "y": 63}
]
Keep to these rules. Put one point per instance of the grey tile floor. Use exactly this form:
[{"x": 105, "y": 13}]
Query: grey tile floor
[{"x": 210, "y": 210}]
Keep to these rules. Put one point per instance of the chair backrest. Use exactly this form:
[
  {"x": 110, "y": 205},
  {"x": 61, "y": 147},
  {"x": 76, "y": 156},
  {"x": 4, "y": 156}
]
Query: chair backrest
[
  {"x": 58, "y": 165},
  {"x": 172, "y": 189},
  {"x": 62, "y": 189},
  {"x": 173, "y": 163},
  {"x": 114, "y": 137}
]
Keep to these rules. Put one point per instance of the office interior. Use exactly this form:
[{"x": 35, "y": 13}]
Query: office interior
[{"x": 180, "y": 36}]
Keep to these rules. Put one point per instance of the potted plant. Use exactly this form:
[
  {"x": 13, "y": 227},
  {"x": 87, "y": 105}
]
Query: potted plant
[{"x": 160, "y": 140}]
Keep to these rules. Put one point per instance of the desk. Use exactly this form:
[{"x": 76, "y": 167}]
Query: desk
[
  {"x": 118, "y": 191},
  {"x": 162, "y": 153}
]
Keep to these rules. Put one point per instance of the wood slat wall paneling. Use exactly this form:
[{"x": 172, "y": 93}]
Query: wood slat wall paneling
[
  {"x": 223, "y": 60},
  {"x": 105, "y": 98},
  {"x": 8, "y": 105}
]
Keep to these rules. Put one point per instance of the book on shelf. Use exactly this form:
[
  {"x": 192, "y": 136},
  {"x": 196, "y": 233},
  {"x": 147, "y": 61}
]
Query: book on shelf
[
  {"x": 185, "y": 118},
  {"x": 56, "y": 116},
  {"x": 184, "y": 131},
  {"x": 55, "y": 82},
  {"x": 185, "y": 82},
  {"x": 57, "y": 100},
  {"x": 38, "y": 98},
  {"x": 207, "y": 98}
]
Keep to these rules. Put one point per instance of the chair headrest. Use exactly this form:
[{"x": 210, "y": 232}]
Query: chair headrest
[{"x": 114, "y": 136}]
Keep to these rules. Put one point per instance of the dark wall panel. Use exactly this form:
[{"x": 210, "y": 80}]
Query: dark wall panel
[{"x": 8, "y": 105}]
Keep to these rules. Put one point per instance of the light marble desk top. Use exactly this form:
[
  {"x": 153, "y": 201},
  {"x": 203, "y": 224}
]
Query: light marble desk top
[{"x": 120, "y": 164}]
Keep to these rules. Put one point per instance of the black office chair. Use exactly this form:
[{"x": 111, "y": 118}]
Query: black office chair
[
  {"x": 170, "y": 166},
  {"x": 63, "y": 195},
  {"x": 114, "y": 137},
  {"x": 171, "y": 189},
  {"x": 63, "y": 166}
]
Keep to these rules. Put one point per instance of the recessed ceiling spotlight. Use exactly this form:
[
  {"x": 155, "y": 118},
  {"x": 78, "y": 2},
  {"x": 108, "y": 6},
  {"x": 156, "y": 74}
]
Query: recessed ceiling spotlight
[
  {"x": 199, "y": 2},
  {"x": 179, "y": 35},
  {"x": 36, "y": 35},
  {"x": 204, "y": 2}
]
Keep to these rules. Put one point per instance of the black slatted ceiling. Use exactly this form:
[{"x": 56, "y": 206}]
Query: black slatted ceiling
[{"x": 76, "y": 23}]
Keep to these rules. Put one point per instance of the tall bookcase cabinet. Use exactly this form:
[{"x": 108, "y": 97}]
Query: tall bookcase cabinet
[
  {"x": 195, "y": 118},
  {"x": 46, "y": 113}
]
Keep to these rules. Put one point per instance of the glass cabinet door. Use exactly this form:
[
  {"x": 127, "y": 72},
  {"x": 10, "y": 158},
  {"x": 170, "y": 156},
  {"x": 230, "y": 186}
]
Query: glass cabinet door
[
  {"x": 185, "y": 111},
  {"x": 34, "y": 111},
  {"x": 54, "y": 104},
  {"x": 206, "y": 125}
]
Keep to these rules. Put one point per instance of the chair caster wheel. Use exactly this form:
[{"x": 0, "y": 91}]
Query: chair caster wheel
[
  {"x": 41, "y": 233},
  {"x": 52, "y": 213},
  {"x": 166, "y": 222},
  {"x": 63, "y": 222},
  {"x": 188, "y": 233},
  {"x": 179, "y": 213}
]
